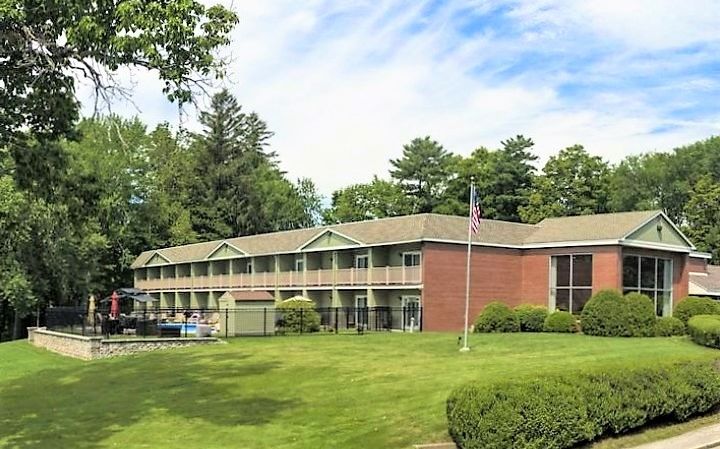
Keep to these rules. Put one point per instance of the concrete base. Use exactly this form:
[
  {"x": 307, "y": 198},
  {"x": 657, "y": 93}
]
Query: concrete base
[{"x": 703, "y": 438}]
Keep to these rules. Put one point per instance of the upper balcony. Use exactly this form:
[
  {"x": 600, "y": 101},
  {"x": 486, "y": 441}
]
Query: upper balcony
[{"x": 344, "y": 277}]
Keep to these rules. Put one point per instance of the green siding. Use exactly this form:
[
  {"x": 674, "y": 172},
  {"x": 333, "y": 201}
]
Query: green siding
[
  {"x": 649, "y": 233},
  {"x": 329, "y": 239},
  {"x": 156, "y": 260},
  {"x": 225, "y": 251}
]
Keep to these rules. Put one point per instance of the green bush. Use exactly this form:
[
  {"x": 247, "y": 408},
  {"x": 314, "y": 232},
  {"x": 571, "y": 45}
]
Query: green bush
[
  {"x": 531, "y": 317},
  {"x": 561, "y": 411},
  {"x": 669, "y": 326},
  {"x": 641, "y": 315},
  {"x": 691, "y": 306},
  {"x": 298, "y": 316},
  {"x": 609, "y": 314},
  {"x": 705, "y": 330},
  {"x": 497, "y": 317},
  {"x": 560, "y": 322}
]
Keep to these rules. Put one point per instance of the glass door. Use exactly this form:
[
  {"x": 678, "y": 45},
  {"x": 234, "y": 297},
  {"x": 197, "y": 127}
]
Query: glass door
[
  {"x": 411, "y": 313},
  {"x": 361, "y": 311}
]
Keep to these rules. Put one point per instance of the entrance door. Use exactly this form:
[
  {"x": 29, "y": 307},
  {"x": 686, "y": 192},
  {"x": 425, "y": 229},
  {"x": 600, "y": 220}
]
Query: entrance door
[
  {"x": 361, "y": 311},
  {"x": 411, "y": 313}
]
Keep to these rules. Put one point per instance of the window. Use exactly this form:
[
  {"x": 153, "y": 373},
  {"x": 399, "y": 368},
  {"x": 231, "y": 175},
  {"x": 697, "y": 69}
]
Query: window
[
  {"x": 651, "y": 276},
  {"x": 571, "y": 281},
  {"x": 299, "y": 265},
  {"x": 411, "y": 259},
  {"x": 361, "y": 261}
]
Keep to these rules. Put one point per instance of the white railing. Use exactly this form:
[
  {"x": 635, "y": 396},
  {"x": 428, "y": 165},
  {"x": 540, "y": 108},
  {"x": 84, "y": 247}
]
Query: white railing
[{"x": 309, "y": 278}]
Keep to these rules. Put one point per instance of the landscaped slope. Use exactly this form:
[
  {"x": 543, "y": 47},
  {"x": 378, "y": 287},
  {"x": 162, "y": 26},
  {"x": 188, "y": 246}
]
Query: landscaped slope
[{"x": 371, "y": 391}]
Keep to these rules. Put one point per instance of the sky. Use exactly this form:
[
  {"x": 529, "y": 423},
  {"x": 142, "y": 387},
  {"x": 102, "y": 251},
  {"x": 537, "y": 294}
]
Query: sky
[{"x": 345, "y": 84}]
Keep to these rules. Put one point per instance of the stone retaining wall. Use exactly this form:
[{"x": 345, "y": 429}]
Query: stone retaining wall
[{"x": 90, "y": 348}]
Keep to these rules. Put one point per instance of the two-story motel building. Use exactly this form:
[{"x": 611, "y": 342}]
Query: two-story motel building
[{"x": 419, "y": 261}]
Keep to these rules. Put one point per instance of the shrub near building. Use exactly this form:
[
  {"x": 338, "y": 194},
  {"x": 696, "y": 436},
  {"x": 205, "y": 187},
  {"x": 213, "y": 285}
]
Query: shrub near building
[
  {"x": 564, "y": 322},
  {"x": 497, "y": 317},
  {"x": 691, "y": 306},
  {"x": 669, "y": 326},
  {"x": 531, "y": 317},
  {"x": 705, "y": 330},
  {"x": 609, "y": 314}
]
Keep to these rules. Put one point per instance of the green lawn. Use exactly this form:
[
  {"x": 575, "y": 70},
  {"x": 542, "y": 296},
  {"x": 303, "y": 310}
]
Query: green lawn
[{"x": 372, "y": 391}]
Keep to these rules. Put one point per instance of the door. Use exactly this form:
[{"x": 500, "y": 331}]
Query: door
[
  {"x": 411, "y": 313},
  {"x": 361, "y": 311}
]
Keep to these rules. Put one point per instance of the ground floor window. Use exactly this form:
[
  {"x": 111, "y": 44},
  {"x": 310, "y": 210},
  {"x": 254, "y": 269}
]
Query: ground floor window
[
  {"x": 651, "y": 276},
  {"x": 570, "y": 282}
]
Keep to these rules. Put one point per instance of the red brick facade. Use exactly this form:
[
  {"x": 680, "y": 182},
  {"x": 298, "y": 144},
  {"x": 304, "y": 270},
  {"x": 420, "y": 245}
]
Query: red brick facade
[{"x": 513, "y": 276}]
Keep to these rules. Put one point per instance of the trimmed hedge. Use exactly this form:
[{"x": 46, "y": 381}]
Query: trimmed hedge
[
  {"x": 691, "y": 306},
  {"x": 560, "y": 322},
  {"x": 609, "y": 314},
  {"x": 669, "y": 326},
  {"x": 557, "y": 412},
  {"x": 497, "y": 317},
  {"x": 531, "y": 317},
  {"x": 705, "y": 330}
]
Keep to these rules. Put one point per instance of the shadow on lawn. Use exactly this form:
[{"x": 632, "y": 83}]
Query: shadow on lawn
[{"x": 82, "y": 406}]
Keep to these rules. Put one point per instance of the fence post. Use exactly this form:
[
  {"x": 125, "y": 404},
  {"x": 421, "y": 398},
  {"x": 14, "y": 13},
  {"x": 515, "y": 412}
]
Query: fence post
[
  {"x": 264, "y": 321},
  {"x": 336, "y": 320},
  {"x": 404, "y": 317},
  {"x": 226, "y": 322},
  {"x": 301, "y": 321},
  {"x": 420, "y": 310}
]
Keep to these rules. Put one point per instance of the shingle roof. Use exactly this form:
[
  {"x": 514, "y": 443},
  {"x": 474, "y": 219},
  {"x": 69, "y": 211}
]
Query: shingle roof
[
  {"x": 589, "y": 227},
  {"x": 423, "y": 227},
  {"x": 709, "y": 282}
]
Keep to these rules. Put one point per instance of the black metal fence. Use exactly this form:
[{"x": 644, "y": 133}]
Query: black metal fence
[{"x": 255, "y": 321}]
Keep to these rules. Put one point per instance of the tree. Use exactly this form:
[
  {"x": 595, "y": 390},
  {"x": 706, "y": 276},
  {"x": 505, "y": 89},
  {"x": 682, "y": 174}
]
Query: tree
[
  {"x": 502, "y": 178},
  {"x": 237, "y": 188},
  {"x": 423, "y": 171},
  {"x": 572, "y": 183},
  {"x": 509, "y": 179},
  {"x": 48, "y": 45},
  {"x": 703, "y": 217},
  {"x": 377, "y": 199}
]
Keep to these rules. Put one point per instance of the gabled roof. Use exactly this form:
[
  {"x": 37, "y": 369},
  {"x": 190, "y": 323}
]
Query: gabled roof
[
  {"x": 590, "y": 227},
  {"x": 597, "y": 229},
  {"x": 709, "y": 284}
]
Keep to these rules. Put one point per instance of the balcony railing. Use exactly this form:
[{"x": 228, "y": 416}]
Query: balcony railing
[{"x": 311, "y": 278}]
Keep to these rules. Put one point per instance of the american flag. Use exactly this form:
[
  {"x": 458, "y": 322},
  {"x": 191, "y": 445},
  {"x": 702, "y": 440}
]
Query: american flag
[{"x": 475, "y": 214}]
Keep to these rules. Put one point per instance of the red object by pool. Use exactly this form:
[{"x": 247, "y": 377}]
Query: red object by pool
[{"x": 114, "y": 305}]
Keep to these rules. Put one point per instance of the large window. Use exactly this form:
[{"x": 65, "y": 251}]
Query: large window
[
  {"x": 571, "y": 281},
  {"x": 651, "y": 276},
  {"x": 411, "y": 259}
]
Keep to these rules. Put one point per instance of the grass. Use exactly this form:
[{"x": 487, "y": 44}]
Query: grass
[{"x": 347, "y": 391}]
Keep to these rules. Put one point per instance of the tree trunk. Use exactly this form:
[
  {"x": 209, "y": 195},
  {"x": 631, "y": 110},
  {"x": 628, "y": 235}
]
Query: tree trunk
[{"x": 17, "y": 327}]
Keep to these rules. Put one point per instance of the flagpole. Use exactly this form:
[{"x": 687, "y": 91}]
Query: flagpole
[{"x": 465, "y": 347}]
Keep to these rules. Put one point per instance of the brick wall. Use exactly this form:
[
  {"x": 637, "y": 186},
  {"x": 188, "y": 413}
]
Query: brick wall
[
  {"x": 496, "y": 274},
  {"x": 514, "y": 277}
]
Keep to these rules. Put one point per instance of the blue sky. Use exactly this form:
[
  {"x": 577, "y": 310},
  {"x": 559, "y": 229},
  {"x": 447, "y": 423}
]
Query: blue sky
[{"x": 344, "y": 84}]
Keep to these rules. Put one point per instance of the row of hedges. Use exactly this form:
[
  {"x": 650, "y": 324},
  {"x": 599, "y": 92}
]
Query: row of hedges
[
  {"x": 705, "y": 330},
  {"x": 498, "y": 317},
  {"x": 562, "y": 411}
]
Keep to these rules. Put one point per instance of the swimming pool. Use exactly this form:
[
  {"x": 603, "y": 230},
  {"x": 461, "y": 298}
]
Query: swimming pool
[{"x": 181, "y": 328}]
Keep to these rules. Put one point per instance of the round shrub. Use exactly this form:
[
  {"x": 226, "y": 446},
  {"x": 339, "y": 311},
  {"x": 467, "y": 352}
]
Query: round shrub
[
  {"x": 691, "y": 306},
  {"x": 531, "y": 317},
  {"x": 609, "y": 314},
  {"x": 705, "y": 330},
  {"x": 669, "y": 326},
  {"x": 497, "y": 317},
  {"x": 297, "y": 316},
  {"x": 560, "y": 322},
  {"x": 563, "y": 411},
  {"x": 641, "y": 315}
]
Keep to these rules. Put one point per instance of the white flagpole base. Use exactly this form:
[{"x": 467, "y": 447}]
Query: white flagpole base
[{"x": 465, "y": 349}]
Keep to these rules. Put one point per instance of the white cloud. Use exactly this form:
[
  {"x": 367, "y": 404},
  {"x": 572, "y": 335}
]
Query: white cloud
[{"x": 345, "y": 84}]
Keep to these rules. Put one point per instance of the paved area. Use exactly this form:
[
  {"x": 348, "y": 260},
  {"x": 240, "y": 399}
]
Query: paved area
[{"x": 703, "y": 438}]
